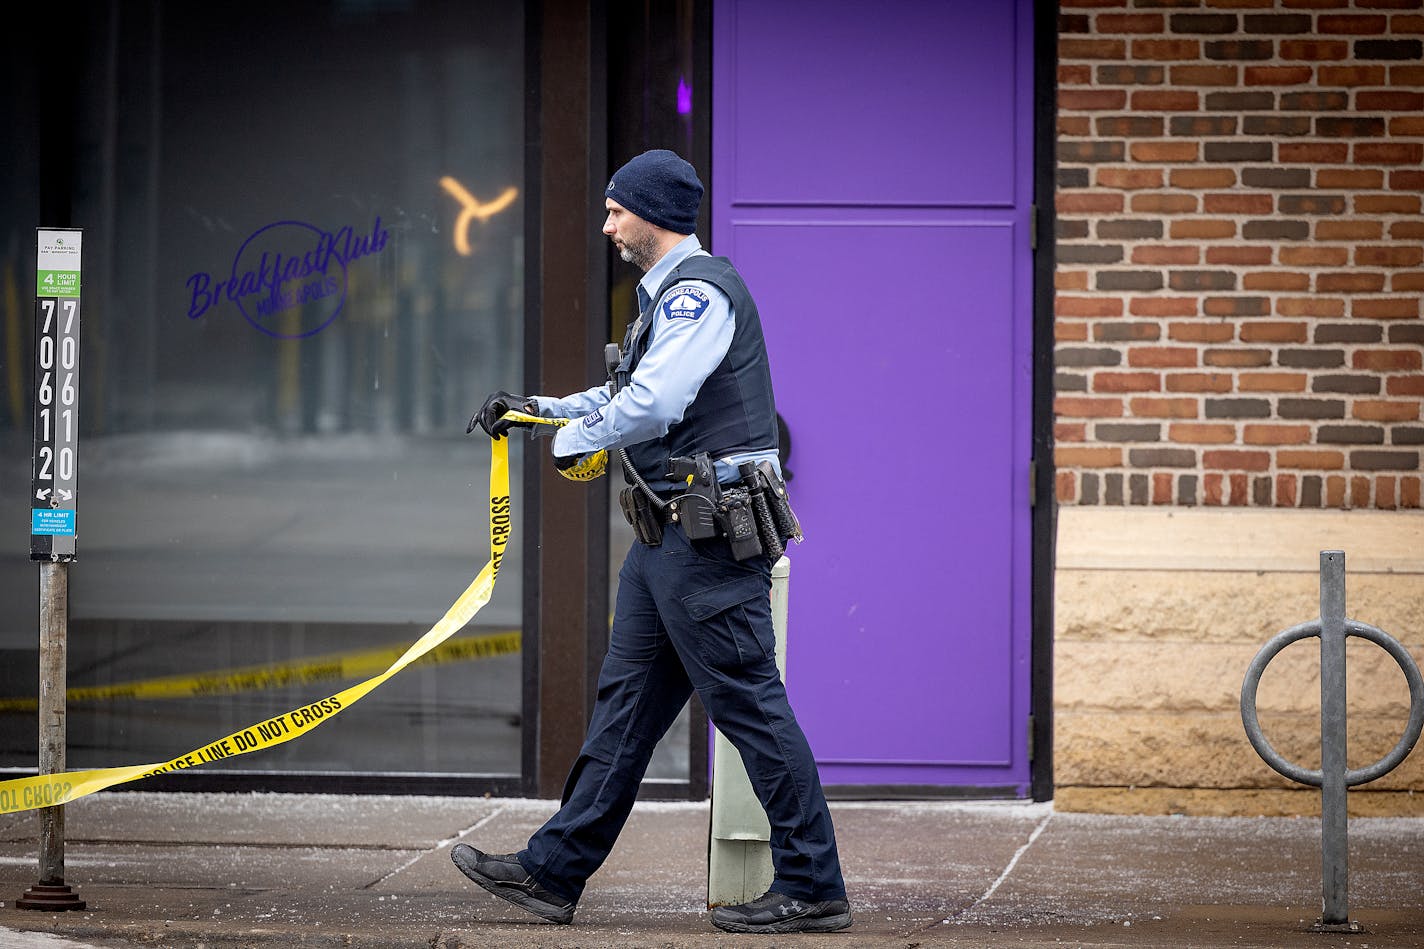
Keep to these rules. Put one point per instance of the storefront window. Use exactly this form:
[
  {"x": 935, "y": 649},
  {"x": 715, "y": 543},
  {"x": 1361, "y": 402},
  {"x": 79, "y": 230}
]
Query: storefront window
[{"x": 303, "y": 271}]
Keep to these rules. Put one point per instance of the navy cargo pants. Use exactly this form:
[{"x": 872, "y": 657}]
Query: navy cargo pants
[{"x": 690, "y": 617}]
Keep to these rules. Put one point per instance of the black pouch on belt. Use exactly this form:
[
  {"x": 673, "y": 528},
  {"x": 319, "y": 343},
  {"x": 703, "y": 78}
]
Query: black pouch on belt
[
  {"x": 787, "y": 524},
  {"x": 638, "y": 511}
]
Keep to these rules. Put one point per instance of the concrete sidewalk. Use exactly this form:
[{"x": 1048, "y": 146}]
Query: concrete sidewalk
[{"x": 319, "y": 871}]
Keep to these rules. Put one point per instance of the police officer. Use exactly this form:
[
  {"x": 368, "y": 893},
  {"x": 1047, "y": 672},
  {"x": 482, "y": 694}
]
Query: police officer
[{"x": 688, "y": 615}]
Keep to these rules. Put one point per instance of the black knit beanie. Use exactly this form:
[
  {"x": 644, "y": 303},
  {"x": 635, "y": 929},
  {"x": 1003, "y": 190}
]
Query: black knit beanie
[{"x": 660, "y": 188}]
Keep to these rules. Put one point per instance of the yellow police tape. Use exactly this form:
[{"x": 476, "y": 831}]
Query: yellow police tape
[
  {"x": 331, "y": 667},
  {"x": 23, "y": 794},
  {"x": 590, "y": 466}
]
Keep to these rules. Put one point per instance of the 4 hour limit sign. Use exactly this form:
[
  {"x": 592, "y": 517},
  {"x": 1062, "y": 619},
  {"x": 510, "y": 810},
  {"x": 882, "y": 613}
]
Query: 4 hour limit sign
[{"x": 54, "y": 484}]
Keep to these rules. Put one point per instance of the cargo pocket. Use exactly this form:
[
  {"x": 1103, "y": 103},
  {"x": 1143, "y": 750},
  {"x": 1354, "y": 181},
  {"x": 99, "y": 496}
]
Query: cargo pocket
[{"x": 735, "y": 622}]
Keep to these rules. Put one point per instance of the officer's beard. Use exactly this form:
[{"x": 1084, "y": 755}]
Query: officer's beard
[{"x": 640, "y": 250}]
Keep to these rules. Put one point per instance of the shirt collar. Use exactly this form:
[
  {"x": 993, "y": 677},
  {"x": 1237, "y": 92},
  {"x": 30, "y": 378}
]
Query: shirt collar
[{"x": 682, "y": 250}]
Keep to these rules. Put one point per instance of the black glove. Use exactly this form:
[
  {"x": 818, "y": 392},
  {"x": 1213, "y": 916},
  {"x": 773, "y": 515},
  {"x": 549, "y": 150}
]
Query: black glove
[
  {"x": 488, "y": 417},
  {"x": 565, "y": 462}
]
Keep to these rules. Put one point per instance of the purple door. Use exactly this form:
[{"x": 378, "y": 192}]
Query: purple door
[{"x": 872, "y": 179}]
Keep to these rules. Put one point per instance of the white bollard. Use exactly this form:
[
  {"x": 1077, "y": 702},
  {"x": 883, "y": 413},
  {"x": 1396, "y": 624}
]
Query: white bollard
[{"x": 739, "y": 840}]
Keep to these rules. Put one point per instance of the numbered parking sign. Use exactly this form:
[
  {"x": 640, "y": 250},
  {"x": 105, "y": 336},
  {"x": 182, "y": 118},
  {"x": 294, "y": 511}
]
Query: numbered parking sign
[{"x": 54, "y": 484}]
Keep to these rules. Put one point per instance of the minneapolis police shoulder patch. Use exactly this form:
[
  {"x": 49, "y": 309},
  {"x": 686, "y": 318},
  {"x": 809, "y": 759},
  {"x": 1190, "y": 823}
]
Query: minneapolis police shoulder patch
[{"x": 685, "y": 303}]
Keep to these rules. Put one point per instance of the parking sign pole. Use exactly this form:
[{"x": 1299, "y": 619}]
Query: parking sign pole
[{"x": 54, "y": 511}]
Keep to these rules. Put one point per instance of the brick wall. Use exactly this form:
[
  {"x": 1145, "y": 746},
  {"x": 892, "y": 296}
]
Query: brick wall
[{"x": 1240, "y": 253}]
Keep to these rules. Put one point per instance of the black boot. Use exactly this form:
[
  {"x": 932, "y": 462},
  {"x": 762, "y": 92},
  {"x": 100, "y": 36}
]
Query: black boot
[
  {"x": 504, "y": 876},
  {"x": 774, "y": 913}
]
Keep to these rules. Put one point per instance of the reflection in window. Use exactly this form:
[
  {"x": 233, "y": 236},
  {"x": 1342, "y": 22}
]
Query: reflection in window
[{"x": 283, "y": 342}]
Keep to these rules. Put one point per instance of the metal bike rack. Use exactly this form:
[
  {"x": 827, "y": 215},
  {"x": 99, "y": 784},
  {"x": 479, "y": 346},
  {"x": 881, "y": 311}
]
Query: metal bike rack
[{"x": 1334, "y": 775}]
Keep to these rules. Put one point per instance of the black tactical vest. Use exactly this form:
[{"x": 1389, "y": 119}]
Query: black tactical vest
[{"x": 734, "y": 411}]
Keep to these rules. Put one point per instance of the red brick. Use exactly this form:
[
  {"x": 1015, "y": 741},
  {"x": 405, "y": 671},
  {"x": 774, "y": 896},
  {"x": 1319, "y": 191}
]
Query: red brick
[
  {"x": 1388, "y": 308},
  {"x": 1165, "y": 50},
  {"x": 1225, "y": 459},
  {"x": 1201, "y": 333},
  {"x": 1165, "y": 100},
  {"x": 1143, "y": 407},
  {"x": 1405, "y": 74},
  {"x": 1165, "y": 254},
  {"x": 1087, "y": 456},
  {"x": 1075, "y": 406},
  {"x": 1285, "y": 490},
  {"x": 1404, "y": 385},
  {"x": 1238, "y": 203},
  {"x": 1275, "y": 434},
  {"x": 1387, "y": 204},
  {"x": 1271, "y": 332},
  {"x": 1358, "y": 179},
  {"x": 1161, "y": 487},
  {"x": 1334, "y": 491},
  {"x": 1350, "y": 282},
  {"x": 1314, "y": 50},
  {"x": 1164, "y": 203},
  {"x": 1389, "y": 255},
  {"x": 1198, "y": 433},
  {"x": 1236, "y": 357},
  {"x": 1406, "y": 281},
  {"x": 1350, "y": 76},
  {"x": 1409, "y": 492},
  {"x": 1070, "y": 431},
  {"x": 1195, "y": 75},
  {"x": 1278, "y": 75},
  {"x": 1394, "y": 100},
  {"x": 1312, "y": 459},
  {"x": 1271, "y": 382},
  {"x": 1360, "y": 491},
  {"x": 1371, "y": 25},
  {"x": 1105, "y": 381},
  {"x": 1161, "y": 356},
  {"x": 1108, "y": 23},
  {"x": 1406, "y": 125},
  {"x": 1165, "y": 151},
  {"x": 1076, "y": 100},
  {"x": 1065, "y": 332},
  {"x": 1091, "y": 49},
  {"x": 1275, "y": 280},
  {"x": 1244, "y": 256},
  {"x": 1070, "y": 280},
  {"x": 1200, "y": 178},
  {"x": 1129, "y": 179},
  {"x": 1380, "y": 411},
  {"x": 1384, "y": 491},
  {"x": 1088, "y": 202},
  {"x": 1087, "y": 306},
  {"x": 1315, "y": 153},
  {"x": 1202, "y": 229},
  {"x": 1075, "y": 125},
  {"x": 1238, "y": 490},
  {"x": 1163, "y": 306},
  {"x": 1310, "y": 306},
  {"x": 1075, "y": 75},
  {"x": 1389, "y": 153},
  {"x": 1212, "y": 489},
  {"x": 1199, "y": 382},
  {"x": 1349, "y": 230},
  {"x": 1407, "y": 24},
  {"x": 1386, "y": 360},
  {"x": 1065, "y": 486},
  {"x": 1314, "y": 255}
]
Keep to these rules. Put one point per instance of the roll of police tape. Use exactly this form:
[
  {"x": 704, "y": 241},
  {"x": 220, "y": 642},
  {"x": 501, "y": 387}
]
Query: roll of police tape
[
  {"x": 589, "y": 467},
  {"x": 23, "y": 794}
]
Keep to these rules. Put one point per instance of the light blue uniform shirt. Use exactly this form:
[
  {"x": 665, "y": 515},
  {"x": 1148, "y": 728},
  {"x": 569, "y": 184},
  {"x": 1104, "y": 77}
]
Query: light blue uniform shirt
[{"x": 683, "y": 353}]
